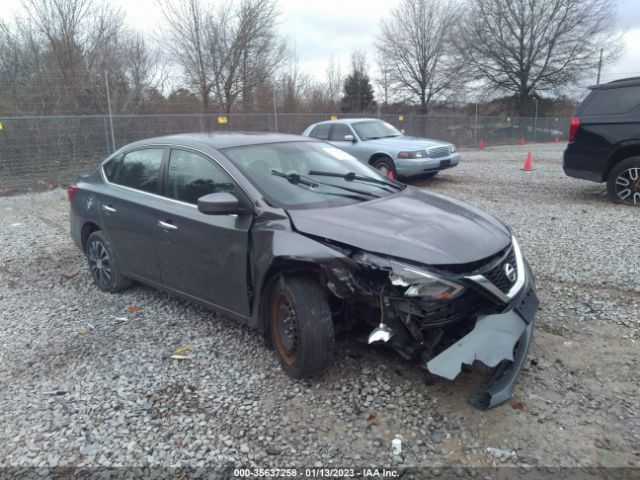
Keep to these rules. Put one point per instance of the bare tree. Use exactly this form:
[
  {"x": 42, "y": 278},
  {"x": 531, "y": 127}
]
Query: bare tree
[
  {"x": 384, "y": 81},
  {"x": 334, "y": 83},
  {"x": 415, "y": 46},
  {"x": 187, "y": 42},
  {"x": 530, "y": 46},
  {"x": 226, "y": 50},
  {"x": 142, "y": 70},
  {"x": 244, "y": 48}
]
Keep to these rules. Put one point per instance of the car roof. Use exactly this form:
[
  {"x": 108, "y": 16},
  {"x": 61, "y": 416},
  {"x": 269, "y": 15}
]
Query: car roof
[
  {"x": 347, "y": 120},
  {"x": 219, "y": 140},
  {"x": 623, "y": 82}
]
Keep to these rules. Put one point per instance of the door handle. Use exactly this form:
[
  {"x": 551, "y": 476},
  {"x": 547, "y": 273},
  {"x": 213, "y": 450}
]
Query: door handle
[
  {"x": 108, "y": 209},
  {"x": 167, "y": 225}
]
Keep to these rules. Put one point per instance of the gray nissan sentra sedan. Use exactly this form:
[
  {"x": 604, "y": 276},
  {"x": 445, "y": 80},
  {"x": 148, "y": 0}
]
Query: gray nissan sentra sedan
[{"x": 299, "y": 240}]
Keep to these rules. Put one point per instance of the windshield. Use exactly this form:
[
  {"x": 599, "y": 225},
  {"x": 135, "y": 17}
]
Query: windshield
[
  {"x": 370, "y": 129},
  {"x": 286, "y": 174}
]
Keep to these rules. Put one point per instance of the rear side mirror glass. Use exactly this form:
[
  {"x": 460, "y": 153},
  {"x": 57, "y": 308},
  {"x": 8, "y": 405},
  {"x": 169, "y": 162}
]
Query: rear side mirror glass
[
  {"x": 349, "y": 138},
  {"x": 219, "y": 203}
]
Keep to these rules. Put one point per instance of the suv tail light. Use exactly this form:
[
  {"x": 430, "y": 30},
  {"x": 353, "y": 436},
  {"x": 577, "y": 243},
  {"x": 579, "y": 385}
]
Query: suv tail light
[
  {"x": 71, "y": 190},
  {"x": 575, "y": 124}
]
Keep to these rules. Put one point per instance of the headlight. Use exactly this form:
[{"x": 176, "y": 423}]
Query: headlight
[
  {"x": 416, "y": 154},
  {"x": 452, "y": 149},
  {"x": 421, "y": 283}
]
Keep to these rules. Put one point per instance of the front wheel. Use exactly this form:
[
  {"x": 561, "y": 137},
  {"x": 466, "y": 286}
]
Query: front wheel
[
  {"x": 385, "y": 166},
  {"x": 301, "y": 325},
  {"x": 623, "y": 184}
]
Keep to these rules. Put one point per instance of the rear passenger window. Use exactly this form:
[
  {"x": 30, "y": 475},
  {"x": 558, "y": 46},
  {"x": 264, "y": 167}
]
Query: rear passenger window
[
  {"x": 191, "y": 176},
  {"x": 140, "y": 169},
  {"x": 111, "y": 167},
  {"x": 613, "y": 101},
  {"x": 339, "y": 131},
  {"x": 321, "y": 132}
]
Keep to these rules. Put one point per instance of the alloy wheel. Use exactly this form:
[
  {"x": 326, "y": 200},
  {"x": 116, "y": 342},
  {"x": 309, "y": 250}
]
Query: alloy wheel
[
  {"x": 628, "y": 186},
  {"x": 100, "y": 263}
]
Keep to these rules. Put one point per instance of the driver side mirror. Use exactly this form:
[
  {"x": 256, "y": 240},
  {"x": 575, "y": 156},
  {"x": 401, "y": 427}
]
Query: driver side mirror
[
  {"x": 219, "y": 203},
  {"x": 349, "y": 138}
]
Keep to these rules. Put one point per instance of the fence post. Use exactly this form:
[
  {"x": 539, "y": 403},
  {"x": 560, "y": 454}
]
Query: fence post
[
  {"x": 475, "y": 128},
  {"x": 113, "y": 138},
  {"x": 535, "y": 124},
  {"x": 275, "y": 110}
]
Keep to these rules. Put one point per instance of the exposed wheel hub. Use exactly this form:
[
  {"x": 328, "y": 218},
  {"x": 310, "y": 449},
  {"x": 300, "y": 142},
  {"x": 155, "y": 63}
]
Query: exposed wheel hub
[{"x": 286, "y": 331}]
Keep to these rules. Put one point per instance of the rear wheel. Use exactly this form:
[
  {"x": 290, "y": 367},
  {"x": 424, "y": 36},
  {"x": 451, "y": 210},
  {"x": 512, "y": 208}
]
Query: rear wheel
[
  {"x": 301, "y": 325},
  {"x": 104, "y": 265},
  {"x": 385, "y": 166},
  {"x": 623, "y": 184}
]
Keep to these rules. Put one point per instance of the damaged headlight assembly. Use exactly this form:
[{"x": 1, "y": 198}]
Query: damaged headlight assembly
[{"x": 422, "y": 283}]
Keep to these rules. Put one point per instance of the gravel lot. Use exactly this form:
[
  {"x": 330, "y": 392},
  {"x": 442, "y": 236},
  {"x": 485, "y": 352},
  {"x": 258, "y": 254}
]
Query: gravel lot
[{"x": 128, "y": 403}]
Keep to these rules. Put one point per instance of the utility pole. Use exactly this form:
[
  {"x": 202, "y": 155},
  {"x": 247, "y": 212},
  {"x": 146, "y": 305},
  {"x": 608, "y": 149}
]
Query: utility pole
[
  {"x": 599, "y": 68},
  {"x": 113, "y": 138}
]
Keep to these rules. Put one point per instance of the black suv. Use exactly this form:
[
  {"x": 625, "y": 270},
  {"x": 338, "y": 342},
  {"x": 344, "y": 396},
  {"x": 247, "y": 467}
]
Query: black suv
[{"x": 604, "y": 139}]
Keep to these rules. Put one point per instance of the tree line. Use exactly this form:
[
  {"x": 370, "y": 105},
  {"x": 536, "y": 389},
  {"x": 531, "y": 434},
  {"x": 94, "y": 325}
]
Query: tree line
[{"x": 61, "y": 56}]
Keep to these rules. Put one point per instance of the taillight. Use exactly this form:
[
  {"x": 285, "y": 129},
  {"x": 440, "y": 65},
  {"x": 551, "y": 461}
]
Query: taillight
[
  {"x": 575, "y": 124},
  {"x": 71, "y": 190}
]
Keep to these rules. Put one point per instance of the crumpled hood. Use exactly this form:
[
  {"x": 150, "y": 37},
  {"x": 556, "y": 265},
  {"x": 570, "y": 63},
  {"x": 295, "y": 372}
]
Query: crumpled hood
[
  {"x": 406, "y": 142},
  {"x": 416, "y": 225}
]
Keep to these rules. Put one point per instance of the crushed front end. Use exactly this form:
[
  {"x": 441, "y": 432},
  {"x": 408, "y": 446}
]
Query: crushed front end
[{"x": 451, "y": 315}]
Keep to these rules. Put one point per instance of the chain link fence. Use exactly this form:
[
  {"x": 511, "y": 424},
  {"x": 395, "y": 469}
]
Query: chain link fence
[{"x": 36, "y": 152}]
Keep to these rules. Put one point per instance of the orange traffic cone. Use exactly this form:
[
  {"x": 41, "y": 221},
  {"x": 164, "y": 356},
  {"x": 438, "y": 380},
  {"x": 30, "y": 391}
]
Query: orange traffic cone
[
  {"x": 481, "y": 145},
  {"x": 528, "y": 163},
  {"x": 522, "y": 142}
]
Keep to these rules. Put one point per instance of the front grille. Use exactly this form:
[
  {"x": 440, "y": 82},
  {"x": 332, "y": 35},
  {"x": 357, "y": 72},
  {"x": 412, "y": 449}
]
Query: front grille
[
  {"x": 437, "y": 152},
  {"x": 497, "y": 274},
  {"x": 492, "y": 267}
]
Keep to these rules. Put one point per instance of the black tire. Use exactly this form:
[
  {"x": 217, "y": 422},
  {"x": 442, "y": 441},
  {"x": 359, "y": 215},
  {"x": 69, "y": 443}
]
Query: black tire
[
  {"x": 623, "y": 184},
  {"x": 385, "y": 165},
  {"x": 301, "y": 325},
  {"x": 103, "y": 264}
]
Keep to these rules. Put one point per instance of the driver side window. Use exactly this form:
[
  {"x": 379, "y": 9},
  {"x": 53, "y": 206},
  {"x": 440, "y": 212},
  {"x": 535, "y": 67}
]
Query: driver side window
[
  {"x": 339, "y": 132},
  {"x": 191, "y": 176}
]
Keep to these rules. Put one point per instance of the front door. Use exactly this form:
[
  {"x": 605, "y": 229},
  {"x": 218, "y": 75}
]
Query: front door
[{"x": 204, "y": 256}]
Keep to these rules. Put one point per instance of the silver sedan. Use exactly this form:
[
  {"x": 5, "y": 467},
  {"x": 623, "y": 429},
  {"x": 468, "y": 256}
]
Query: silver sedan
[{"x": 385, "y": 147}]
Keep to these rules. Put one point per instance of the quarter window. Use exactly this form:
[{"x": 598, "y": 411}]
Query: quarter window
[
  {"x": 140, "y": 169},
  {"x": 191, "y": 176},
  {"x": 321, "y": 132},
  {"x": 111, "y": 167}
]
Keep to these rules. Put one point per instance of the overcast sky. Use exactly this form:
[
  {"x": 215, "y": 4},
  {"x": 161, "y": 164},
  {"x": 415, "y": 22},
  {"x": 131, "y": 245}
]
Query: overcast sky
[{"x": 337, "y": 27}]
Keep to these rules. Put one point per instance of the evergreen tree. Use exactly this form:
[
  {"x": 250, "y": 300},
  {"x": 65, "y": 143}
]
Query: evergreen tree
[{"x": 358, "y": 93}]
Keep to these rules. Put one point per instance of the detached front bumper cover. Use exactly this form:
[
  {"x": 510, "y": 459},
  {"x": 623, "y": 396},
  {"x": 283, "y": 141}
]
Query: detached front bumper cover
[{"x": 500, "y": 341}]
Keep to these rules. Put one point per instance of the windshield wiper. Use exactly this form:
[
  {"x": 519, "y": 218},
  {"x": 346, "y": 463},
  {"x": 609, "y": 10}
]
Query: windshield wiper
[
  {"x": 351, "y": 176},
  {"x": 298, "y": 179}
]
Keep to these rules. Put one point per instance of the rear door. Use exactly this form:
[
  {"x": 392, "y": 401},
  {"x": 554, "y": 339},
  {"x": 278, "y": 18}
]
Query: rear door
[
  {"x": 203, "y": 256},
  {"x": 129, "y": 207}
]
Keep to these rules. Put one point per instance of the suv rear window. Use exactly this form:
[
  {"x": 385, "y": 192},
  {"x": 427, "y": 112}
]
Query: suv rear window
[{"x": 612, "y": 101}]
